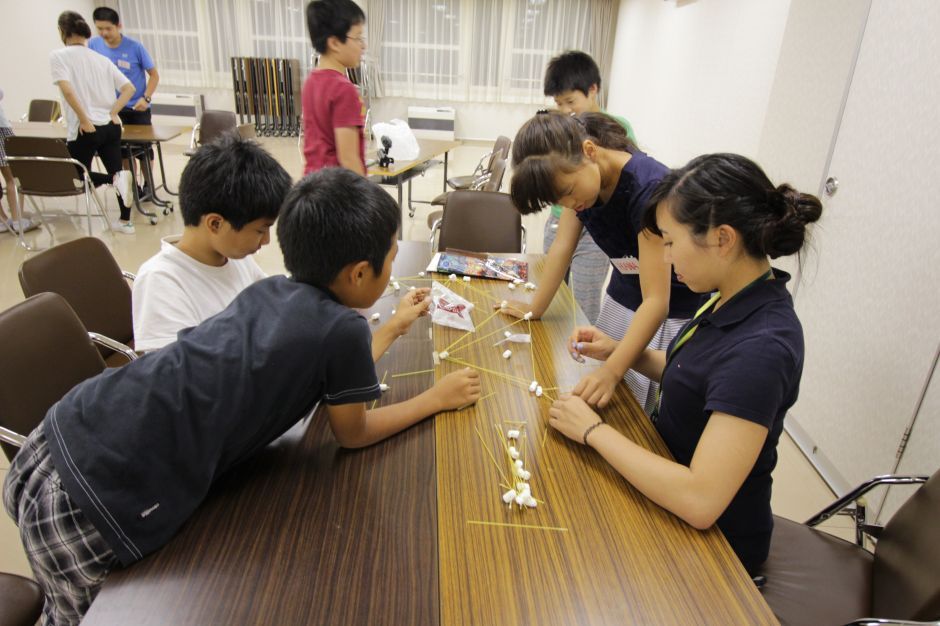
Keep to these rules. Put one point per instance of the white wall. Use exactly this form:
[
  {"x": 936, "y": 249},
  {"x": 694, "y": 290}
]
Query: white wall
[
  {"x": 694, "y": 76},
  {"x": 29, "y": 34}
]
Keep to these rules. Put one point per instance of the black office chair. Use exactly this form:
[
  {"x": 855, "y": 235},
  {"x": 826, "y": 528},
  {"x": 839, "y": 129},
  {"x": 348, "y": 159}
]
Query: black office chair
[
  {"x": 21, "y": 601},
  {"x": 43, "y": 111},
  {"x": 212, "y": 125},
  {"x": 491, "y": 181},
  {"x": 480, "y": 221},
  {"x": 815, "y": 578}
]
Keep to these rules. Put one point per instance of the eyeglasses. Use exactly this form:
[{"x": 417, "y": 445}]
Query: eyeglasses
[{"x": 361, "y": 39}]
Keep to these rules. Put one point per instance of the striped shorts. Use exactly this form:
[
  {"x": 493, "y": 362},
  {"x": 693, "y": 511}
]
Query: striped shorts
[
  {"x": 589, "y": 267},
  {"x": 614, "y": 321},
  {"x": 4, "y": 133},
  {"x": 69, "y": 558}
]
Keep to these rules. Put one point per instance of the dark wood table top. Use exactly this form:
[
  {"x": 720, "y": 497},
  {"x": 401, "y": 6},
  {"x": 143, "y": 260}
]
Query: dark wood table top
[
  {"x": 412, "y": 530},
  {"x": 132, "y": 133}
]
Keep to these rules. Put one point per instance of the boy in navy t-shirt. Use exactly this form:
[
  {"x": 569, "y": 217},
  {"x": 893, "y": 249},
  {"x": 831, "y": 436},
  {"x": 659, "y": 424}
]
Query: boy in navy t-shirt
[{"x": 126, "y": 457}]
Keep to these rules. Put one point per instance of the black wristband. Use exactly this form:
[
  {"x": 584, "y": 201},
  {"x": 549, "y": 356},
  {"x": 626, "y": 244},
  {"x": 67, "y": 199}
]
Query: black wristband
[{"x": 588, "y": 431}]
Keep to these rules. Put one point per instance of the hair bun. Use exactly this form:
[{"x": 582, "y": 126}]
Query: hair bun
[{"x": 792, "y": 211}]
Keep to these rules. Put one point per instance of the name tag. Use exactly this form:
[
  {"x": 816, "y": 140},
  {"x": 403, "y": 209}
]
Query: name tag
[
  {"x": 124, "y": 65},
  {"x": 627, "y": 265}
]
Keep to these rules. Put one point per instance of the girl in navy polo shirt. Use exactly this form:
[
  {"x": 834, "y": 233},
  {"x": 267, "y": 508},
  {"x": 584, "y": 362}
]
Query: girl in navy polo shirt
[
  {"x": 732, "y": 372},
  {"x": 587, "y": 164}
]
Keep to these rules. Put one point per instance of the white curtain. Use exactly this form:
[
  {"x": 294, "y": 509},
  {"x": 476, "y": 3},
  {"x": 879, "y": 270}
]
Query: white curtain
[{"x": 457, "y": 50}]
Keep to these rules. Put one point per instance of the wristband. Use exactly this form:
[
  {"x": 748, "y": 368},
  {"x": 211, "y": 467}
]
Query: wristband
[
  {"x": 146, "y": 99},
  {"x": 588, "y": 431}
]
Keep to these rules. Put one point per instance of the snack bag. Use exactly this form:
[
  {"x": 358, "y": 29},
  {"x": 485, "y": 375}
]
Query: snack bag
[{"x": 449, "y": 309}]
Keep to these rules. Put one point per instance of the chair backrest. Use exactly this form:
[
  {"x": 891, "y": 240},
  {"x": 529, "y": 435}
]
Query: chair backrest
[
  {"x": 480, "y": 221},
  {"x": 501, "y": 147},
  {"x": 906, "y": 569},
  {"x": 85, "y": 273},
  {"x": 46, "y": 352},
  {"x": 497, "y": 170},
  {"x": 44, "y": 111},
  {"x": 20, "y": 601},
  {"x": 42, "y": 178},
  {"x": 213, "y": 124}
]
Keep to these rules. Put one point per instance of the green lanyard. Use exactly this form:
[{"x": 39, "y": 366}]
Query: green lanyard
[{"x": 693, "y": 326}]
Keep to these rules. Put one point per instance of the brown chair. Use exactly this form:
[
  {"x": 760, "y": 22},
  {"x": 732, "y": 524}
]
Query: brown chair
[
  {"x": 491, "y": 181},
  {"x": 43, "y": 111},
  {"x": 212, "y": 125},
  {"x": 20, "y": 601},
  {"x": 85, "y": 273},
  {"x": 43, "y": 167},
  {"x": 46, "y": 351},
  {"x": 480, "y": 221},
  {"x": 815, "y": 578},
  {"x": 500, "y": 150}
]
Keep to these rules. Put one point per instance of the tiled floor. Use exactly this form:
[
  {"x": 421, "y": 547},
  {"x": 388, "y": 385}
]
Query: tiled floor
[{"x": 798, "y": 490}]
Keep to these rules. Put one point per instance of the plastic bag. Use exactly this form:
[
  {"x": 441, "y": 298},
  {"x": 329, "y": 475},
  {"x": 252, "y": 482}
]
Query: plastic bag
[
  {"x": 449, "y": 309},
  {"x": 404, "y": 144}
]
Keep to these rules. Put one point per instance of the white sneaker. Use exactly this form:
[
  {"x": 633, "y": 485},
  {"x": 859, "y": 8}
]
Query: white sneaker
[
  {"x": 124, "y": 186},
  {"x": 125, "y": 228},
  {"x": 26, "y": 223}
]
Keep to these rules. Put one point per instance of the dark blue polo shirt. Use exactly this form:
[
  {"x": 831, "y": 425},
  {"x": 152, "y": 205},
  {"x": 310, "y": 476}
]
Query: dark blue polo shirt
[
  {"x": 745, "y": 359},
  {"x": 615, "y": 225},
  {"x": 138, "y": 447}
]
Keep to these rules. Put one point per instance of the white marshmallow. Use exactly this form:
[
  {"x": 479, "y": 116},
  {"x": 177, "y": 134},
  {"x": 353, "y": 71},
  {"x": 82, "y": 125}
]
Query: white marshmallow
[
  {"x": 397, "y": 286},
  {"x": 525, "y": 474},
  {"x": 530, "y": 286},
  {"x": 538, "y": 391},
  {"x": 518, "y": 464},
  {"x": 533, "y": 386},
  {"x": 531, "y": 502},
  {"x": 444, "y": 354},
  {"x": 521, "y": 487},
  {"x": 421, "y": 274},
  {"x": 516, "y": 281},
  {"x": 452, "y": 277},
  {"x": 436, "y": 357},
  {"x": 412, "y": 288},
  {"x": 520, "y": 500},
  {"x": 391, "y": 278},
  {"x": 503, "y": 305},
  {"x": 376, "y": 316},
  {"x": 512, "y": 286},
  {"x": 527, "y": 316},
  {"x": 393, "y": 311},
  {"x": 512, "y": 434},
  {"x": 466, "y": 279},
  {"x": 525, "y": 488},
  {"x": 513, "y": 452},
  {"x": 507, "y": 354},
  {"x": 507, "y": 334},
  {"x": 383, "y": 387},
  {"x": 509, "y": 496}
]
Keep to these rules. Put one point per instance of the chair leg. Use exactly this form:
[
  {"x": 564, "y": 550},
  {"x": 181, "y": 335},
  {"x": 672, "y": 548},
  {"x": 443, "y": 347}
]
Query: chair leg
[
  {"x": 19, "y": 232},
  {"x": 102, "y": 210}
]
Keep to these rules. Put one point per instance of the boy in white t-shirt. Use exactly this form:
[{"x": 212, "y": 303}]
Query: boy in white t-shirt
[{"x": 230, "y": 195}]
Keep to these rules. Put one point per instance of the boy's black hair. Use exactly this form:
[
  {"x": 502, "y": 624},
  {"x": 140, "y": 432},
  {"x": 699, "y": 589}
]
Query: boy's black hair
[
  {"x": 106, "y": 14},
  {"x": 331, "y": 18},
  {"x": 235, "y": 178},
  {"x": 571, "y": 70},
  {"x": 332, "y": 218}
]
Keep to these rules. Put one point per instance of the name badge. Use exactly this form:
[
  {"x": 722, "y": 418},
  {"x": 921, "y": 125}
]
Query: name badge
[
  {"x": 627, "y": 265},
  {"x": 124, "y": 65}
]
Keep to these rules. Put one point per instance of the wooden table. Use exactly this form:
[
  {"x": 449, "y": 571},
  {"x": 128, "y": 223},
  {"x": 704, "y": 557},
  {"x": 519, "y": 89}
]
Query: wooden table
[
  {"x": 404, "y": 532},
  {"x": 403, "y": 171},
  {"x": 138, "y": 138}
]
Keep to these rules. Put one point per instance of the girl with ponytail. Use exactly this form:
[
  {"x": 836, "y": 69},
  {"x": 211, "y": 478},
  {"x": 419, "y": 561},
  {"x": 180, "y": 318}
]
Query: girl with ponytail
[
  {"x": 733, "y": 371},
  {"x": 587, "y": 164}
]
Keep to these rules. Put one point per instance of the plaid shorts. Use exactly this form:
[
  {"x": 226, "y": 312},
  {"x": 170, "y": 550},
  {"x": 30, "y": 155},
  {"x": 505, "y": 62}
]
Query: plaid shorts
[
  {"x": 69, "y": 558},
  {"x": 4, "y": 133}
]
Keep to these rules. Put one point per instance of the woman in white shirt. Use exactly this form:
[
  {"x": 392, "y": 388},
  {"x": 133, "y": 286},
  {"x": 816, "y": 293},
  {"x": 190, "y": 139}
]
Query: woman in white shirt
[{"x": 88, "y": 82}]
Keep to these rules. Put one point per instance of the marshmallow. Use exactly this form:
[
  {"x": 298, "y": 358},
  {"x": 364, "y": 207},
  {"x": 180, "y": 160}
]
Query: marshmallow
[
  {"x": 538, "y": 391},
  {"x": 412, "y": 288},
  {"x": 466, "y": 279},
  {"x": 525, "y": 474},
  {"x": 520, "y": 500},
  {"x": 512, "y": 451},
  {"x": 509, "y": 496},
  {"x": 527, "y": 316},
  {"x": 452, "y": 277},
  {"x": 533, "y": 386},
  {"x": 522, "y": 487},
  {"x": 512, "y": 285},
  {"x": 391, "y": 278},
  {"x": 393, "y": 311},
  {"x": 516, "y": 281},
  {"x": 397, "y": 286},
  {"x": 436, "y": 357},
  {"x": 530, "y": 502},
  {"x": 421, "y": 274},
  {"x": 507, "y": 354},
  {"x": 503, "y": 305},
  {"x": 383, "y": 387},
  {"x": 518, "y": 464},
  {"x": 376, "y": 316},
  {"x": 530, "y": 286},
  {"x": 444, "y": 354},
  {"x": 512, "y": 434},
  {"x": 507, "y": 334}
]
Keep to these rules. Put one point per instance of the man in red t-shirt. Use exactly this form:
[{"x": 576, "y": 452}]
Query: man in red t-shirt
[{"x": 334, "y": 113}]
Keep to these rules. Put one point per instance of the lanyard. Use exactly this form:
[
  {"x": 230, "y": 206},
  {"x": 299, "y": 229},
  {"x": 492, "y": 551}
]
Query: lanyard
[{"x": 693, "y": 325}]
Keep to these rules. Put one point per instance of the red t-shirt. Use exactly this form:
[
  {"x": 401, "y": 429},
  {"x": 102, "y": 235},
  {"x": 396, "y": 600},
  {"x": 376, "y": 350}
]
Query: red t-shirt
[{"x": 330, "y": 101}]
